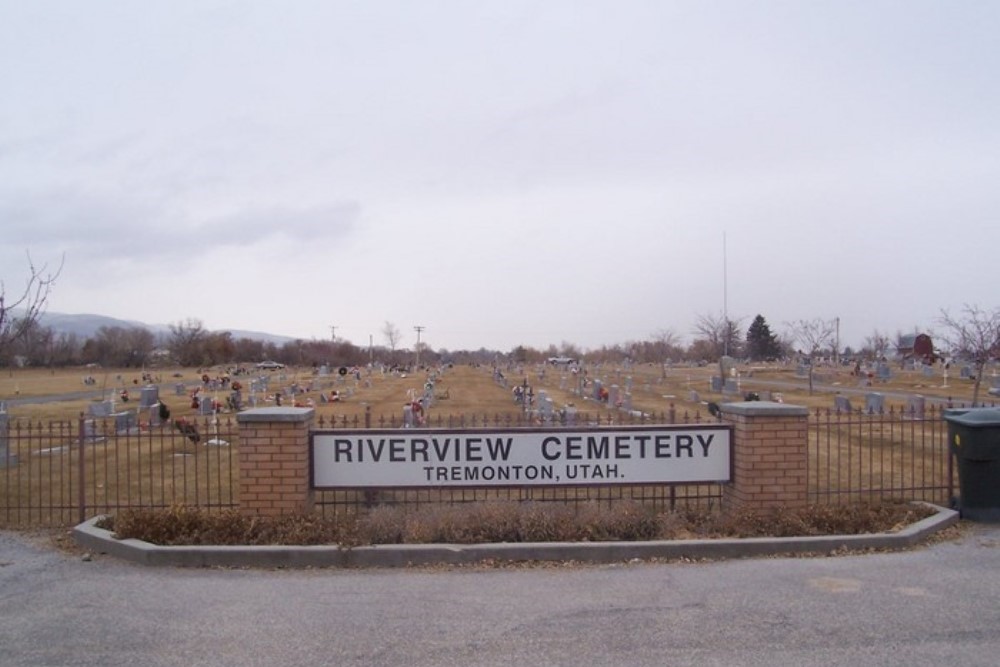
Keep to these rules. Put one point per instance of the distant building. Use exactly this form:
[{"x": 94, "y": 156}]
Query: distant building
[{"x": 917, "y": 346}]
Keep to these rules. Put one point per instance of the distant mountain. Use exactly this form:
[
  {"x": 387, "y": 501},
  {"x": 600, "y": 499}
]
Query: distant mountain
[{"x": 87, "y": 325}]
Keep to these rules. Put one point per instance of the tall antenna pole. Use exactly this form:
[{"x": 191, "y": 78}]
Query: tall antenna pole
[
  {"x": 725, "y": 297},
  {"x": 333, "y": 333},
  {"x": 418, "y": 329}
]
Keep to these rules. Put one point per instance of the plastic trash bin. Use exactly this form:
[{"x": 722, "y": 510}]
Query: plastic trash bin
[{"x": 974, "y": 440}]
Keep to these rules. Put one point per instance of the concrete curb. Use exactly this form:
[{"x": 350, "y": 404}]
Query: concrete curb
[{"x": 98, "y": 540}]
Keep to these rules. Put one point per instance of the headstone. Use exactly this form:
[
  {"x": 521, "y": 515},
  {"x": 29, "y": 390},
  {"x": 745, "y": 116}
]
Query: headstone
[
  {"x": 915, "y": 407},
  {"x": 7, "y": 459},
  {"x": 408, "y": 421},
  {"x": 731, "y": 387},
  {"x": 874, "y": 403},
  {"x": 628, "y": 383},
  {"x": 694, "y": 397},
  {"x": 966, "y": 373},
  {"x": 324, "y": 370},
  {"x": 597, "y": 390},
  {"x": 842, "y": 404},
  {"x": 206, "y": 406},
  {"x": 569, "y": 415},
  {"x": 124, "y": 421},
  {"x": 180, "y": 389},
  {"x": 928, "y": 371},
  {"x": 101, "y": 409},
  {"x": 627, "y": 402},
  {"x": 545, "y": 407},
  {"x": 149, "y": 396},
  {"x": 716, "y": 384},
  {"x": 801, "y": 371},
  {"x": 613, "y": 395},
  {"x": 883, "y": 372}
]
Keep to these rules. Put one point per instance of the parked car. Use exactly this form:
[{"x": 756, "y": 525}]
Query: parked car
[{"x": 270, "y": 365}]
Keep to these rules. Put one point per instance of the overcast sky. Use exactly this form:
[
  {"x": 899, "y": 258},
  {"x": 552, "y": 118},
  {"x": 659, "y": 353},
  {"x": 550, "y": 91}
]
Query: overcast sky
[{"x": 503, "y": 172}]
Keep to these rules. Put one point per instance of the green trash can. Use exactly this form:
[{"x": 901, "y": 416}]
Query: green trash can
[{"x": 974, "y": 439}]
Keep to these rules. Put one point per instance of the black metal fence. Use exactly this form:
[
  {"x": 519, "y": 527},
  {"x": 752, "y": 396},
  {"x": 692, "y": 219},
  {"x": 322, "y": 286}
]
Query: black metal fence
[
  {"x": 894, "y": 454},
  {"x": 61, "y": 472}
]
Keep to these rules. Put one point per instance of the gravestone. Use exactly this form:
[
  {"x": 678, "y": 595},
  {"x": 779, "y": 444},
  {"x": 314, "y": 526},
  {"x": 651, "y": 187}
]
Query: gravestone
[
  {"x": 179, "y": 389},
  {"x": 206, "y": 406},
  {"x": 90, "y": 431},
  {"x": 627, "y": 402},
  {"x": 915, "y": 407},
  {"x": 874, "y": 403},
  {"x": 613, "y": 395},
  {"x": 842, "y": 404},
  {"x": 545, "y": 406},
  {"x": 966, "y": 373},
  {"x": 928, "y": 371},
  {"x": 597, "y": 390},
  {"x": 408, "y": 421},
  {"x": 569, "y": 415},
  {"x": 802, "y": 371},
  {"x": 628, "y": 383},
  {"x": 324, "y": 370},
  {"x": 124, "y": 421},
  {"x": 7, "y": 460},
  {"x": 694, "y": 397},
  {"x": 883, "y": 372},
  {"x": 154, "y": 415},
  {"x": 149, "y": 396},
  {"x": 731, "y": 387},
  {"x": 716, "y": 385},
  {"x": 100, "y": 409}
]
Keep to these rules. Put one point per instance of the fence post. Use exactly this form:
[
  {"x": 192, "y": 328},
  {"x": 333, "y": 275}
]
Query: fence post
[
  {"x": 81, "y": 491},
  {"x": 274, "y": 460},
  {"x": 770, "y": 445}
]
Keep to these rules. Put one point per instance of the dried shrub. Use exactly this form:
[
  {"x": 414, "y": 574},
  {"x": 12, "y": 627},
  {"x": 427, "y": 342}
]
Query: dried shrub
[{"x": 503, "y": 522}]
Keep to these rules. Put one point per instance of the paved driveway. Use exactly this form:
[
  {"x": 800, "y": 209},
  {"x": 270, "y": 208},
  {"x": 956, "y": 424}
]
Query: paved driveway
[{"x": 937, "y": 605}]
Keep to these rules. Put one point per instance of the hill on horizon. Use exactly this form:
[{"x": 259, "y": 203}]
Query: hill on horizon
[{"x": 86, "y": 325}]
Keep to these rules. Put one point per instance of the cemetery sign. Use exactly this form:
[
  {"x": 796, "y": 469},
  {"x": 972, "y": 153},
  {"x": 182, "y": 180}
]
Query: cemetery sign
[{"x": 518, "y": 457}]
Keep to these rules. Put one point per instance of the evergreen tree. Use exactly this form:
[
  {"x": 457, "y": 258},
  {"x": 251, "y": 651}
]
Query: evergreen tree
[{"x": 761, "y": 343}]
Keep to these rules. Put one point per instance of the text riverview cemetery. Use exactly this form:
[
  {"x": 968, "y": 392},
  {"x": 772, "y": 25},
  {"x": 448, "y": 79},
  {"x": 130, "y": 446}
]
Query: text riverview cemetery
[{"x": 620, "y": 455}]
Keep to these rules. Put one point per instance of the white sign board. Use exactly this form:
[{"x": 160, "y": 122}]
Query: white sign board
[{"x": 516, "y": 457}]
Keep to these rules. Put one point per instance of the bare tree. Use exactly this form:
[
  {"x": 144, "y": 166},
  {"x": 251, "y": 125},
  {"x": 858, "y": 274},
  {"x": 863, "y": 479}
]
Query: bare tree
[
  {"x": 877, "y": 344},
  {"x": 723, "y": 335},
  {"x": 187, "y": 342},
  {"x": 19, "y": 314},
  {"x": 973, "y": 335},
  {"x": 816, "y": 336},
  {"x": 392, "y": 335},
  {"x": 721, "y": 332},
  {"x": 667, "y": 344}
]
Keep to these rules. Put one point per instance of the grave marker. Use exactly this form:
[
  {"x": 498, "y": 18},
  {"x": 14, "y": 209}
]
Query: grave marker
[
  {"x": 149, "y": 396},
  {"x": 874, "y": 403},
  {"x": 842, "y": 404}
]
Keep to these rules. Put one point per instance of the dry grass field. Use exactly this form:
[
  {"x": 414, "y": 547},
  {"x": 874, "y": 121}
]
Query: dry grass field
[{"x": 58, "y": 394}]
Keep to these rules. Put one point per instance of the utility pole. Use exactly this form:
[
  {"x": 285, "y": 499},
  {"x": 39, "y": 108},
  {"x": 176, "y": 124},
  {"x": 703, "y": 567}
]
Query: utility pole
[
  {"x": 418, "y": 329},
  {"x": 333, "y": 333}
]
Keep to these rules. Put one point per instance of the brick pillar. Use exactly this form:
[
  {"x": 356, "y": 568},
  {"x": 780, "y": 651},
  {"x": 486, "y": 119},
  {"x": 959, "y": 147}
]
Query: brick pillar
[
  {"x": 769, "y": 455},
  {"x": 274, "y": 460}
]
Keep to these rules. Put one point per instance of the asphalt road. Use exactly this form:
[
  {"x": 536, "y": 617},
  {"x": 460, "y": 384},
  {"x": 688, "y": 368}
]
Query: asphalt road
[{"x": 937, "y": 605}]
